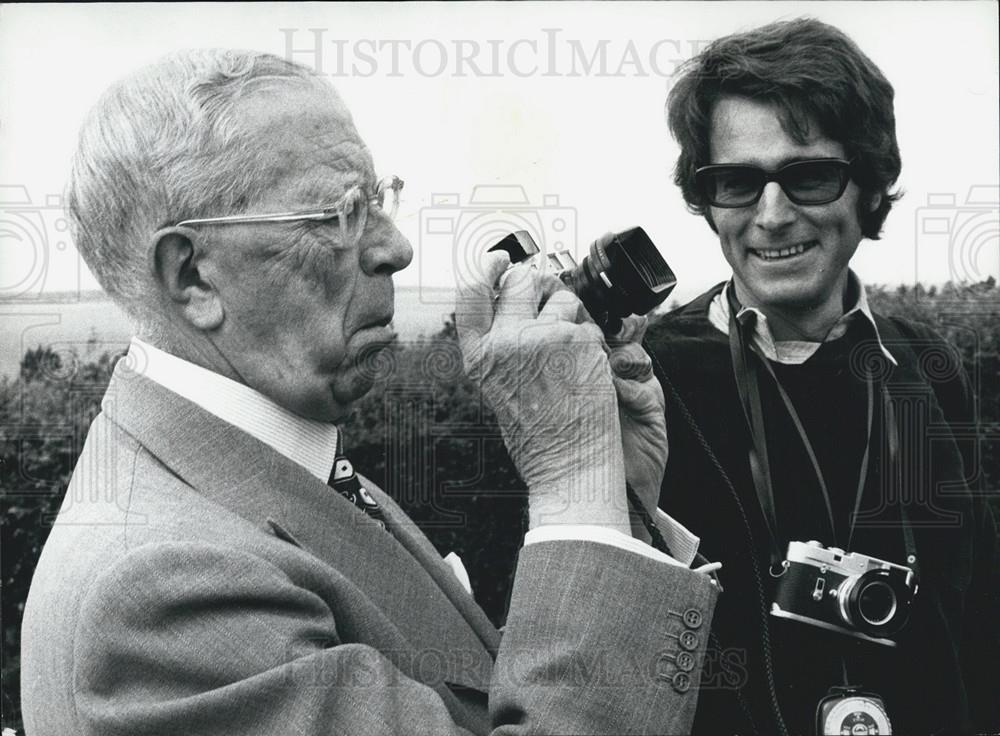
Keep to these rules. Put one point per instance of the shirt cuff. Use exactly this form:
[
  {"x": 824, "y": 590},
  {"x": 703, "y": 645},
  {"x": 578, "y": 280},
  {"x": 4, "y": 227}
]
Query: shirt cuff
[
  {"x": 682, "y": 543},
  {"x": 601, "y": 535}
]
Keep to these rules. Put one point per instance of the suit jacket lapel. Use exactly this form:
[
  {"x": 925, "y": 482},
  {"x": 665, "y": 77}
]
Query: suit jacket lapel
[{"x": 259, "y": 484}]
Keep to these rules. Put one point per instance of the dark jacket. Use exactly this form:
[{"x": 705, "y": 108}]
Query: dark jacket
[{"x": 941, "y": 676}]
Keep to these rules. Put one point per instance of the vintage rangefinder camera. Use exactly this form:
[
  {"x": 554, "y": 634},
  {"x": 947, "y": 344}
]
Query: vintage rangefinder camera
[
  {"x": 626, "y": 276},
  {"x": 852, "y": 593}
]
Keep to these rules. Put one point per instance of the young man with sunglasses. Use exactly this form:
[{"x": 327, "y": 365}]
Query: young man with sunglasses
[{"x": 796, "y": 414}]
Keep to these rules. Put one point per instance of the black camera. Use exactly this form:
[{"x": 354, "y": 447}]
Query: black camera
[
  {"x": 852, "y": 593},
  {"x": 623, "y": 277}
]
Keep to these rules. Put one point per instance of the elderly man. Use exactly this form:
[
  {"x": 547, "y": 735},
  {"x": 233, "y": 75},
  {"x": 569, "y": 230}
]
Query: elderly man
[
  {"x": 218, "y": 567},
  {"x": 797, "y": 415}
]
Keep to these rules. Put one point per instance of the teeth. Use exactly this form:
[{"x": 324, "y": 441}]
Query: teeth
[{"x": 783, "y": 252}]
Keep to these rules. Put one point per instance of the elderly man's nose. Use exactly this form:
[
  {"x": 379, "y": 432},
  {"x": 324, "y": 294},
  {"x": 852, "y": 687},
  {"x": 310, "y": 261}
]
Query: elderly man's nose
[
  {"x": 389, "y": 252},
  {"x": 774, "y": 210}
]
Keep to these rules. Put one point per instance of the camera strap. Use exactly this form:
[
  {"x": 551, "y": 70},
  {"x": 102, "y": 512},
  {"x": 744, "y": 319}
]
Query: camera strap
[{"x": 747, "y": 376}]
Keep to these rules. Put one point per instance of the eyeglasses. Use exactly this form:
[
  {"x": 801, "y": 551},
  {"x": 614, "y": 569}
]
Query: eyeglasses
[
  {"x": 811, "y": 182},
  {"x": 347, "y": 211}
]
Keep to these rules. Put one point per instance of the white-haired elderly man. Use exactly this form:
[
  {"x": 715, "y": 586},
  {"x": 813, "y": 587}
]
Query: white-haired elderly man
[{"x": 214, "y": 570}]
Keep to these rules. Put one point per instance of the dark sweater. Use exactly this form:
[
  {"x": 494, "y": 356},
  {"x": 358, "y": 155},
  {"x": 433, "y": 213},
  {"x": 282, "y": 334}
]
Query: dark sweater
[{"x": 928, "y": 680}]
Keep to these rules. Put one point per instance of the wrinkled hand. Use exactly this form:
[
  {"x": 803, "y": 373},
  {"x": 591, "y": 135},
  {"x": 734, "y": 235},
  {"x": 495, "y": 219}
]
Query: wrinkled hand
[
  {"x": 547, "y": 377},
  {"x": 641, "y": 412}
]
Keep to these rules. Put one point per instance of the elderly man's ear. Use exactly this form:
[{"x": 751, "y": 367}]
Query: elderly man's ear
[{"x": 181, "y": 266}]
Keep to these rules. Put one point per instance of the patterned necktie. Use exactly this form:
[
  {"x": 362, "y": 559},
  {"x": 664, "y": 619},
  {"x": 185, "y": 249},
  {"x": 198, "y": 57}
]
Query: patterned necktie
[{"x": 345, "y": 481}]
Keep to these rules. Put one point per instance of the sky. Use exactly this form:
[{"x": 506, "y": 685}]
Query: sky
[{"x": 498, "y": 116}]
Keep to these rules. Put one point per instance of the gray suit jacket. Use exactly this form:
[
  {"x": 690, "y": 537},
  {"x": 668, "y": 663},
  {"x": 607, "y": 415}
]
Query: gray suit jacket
[{"x": 198, "y": 582}]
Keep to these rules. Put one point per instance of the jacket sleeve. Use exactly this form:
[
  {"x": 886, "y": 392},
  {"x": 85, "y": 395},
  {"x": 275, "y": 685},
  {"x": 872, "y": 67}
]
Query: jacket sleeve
[
  {"x": 191, "y": 637},
  {"x": 600, "y": 640}
]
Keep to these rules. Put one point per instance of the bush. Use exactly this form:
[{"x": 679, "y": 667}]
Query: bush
[{"x": 45, "y": 415}]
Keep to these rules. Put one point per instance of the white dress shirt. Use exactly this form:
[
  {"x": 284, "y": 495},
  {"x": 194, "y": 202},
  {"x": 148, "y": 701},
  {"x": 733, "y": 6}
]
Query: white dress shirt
[
  {"x": 795, "y": 352},
  {"x": 308, "y": 443},
  {"x": 313, "y": 445}
]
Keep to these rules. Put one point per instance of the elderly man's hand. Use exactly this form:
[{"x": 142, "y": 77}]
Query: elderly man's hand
[
  {"x": 542, "y": 367},
  {"x": 641, "y": 410}
]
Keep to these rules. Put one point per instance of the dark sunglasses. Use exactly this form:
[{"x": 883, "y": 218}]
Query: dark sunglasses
[{"x": 810, "y": 182}]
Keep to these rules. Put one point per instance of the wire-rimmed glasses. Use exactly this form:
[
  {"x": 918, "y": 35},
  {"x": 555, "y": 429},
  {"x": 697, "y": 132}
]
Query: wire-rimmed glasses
[{"x": 347, "y": 211}]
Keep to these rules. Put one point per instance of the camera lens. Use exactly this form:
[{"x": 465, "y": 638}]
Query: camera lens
[
  {"x": 625, "y": 276},
  {"x": 876, "y": 603}
]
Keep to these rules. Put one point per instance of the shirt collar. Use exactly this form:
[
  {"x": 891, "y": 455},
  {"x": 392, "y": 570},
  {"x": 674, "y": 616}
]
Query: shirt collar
[
  {"x": 794, "y": 352},
  {"x": 309, "y": 443}
]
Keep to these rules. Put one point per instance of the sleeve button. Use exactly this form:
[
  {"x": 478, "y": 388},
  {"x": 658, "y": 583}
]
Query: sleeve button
[
  {"x": 685, "y": 661},
  {"x": 663, "y": 666},
  {"x": 689, "y": 640},
  {"x": 681, "y": 682},
  {"x": 692, "y": 618}
]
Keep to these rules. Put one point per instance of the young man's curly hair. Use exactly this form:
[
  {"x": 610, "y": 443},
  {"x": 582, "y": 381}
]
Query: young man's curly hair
[{"x": 810, "y": 72}]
